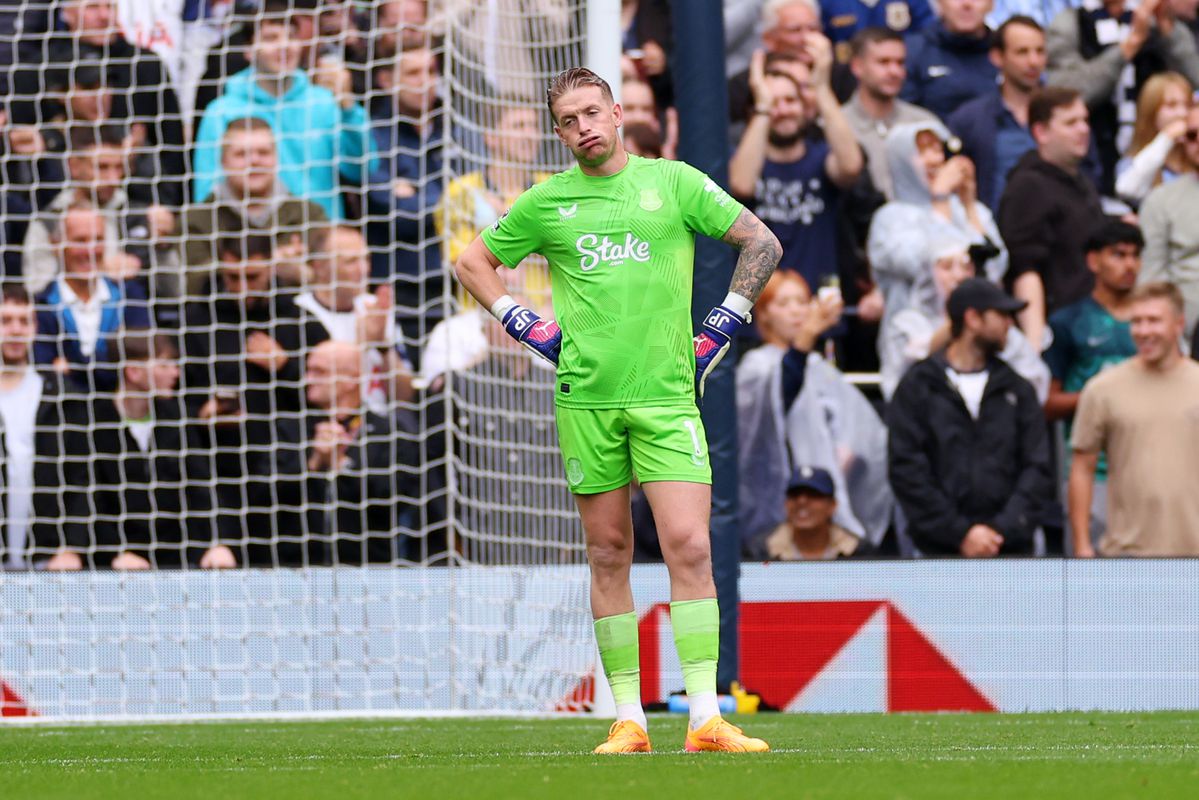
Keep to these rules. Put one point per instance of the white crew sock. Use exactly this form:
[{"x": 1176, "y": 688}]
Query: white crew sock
[
  {"x": 632, "y": 711},
  {"x": 703, "y": 707}
]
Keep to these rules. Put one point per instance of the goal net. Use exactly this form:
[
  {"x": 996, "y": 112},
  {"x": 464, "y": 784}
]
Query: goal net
[{"x": 262, "y": 454}]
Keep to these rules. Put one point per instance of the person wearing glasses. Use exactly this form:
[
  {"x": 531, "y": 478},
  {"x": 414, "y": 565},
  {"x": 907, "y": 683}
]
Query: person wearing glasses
[{"x": 1171, "y": 227}]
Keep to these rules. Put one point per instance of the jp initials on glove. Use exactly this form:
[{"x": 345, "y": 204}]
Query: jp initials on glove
[
  {"x": 720, "y": 326},
  {"x": 542, "y": 336}
]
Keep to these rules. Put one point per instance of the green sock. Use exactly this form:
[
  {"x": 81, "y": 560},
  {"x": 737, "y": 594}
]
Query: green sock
[
  {"x": 696, "y": 626},
  {"x": 617, "y": 640}
]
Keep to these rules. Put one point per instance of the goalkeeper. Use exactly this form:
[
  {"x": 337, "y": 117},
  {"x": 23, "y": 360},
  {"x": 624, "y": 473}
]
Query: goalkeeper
[{"x": 618, "y": 232}]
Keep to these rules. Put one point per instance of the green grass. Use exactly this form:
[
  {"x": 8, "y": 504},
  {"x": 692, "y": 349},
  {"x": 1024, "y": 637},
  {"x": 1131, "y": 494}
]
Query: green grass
[{"x": 1088, "y": 756}]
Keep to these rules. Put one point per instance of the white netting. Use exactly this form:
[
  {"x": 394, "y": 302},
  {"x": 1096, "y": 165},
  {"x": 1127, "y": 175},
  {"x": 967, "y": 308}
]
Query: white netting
[{"x": 192, "y": 236}]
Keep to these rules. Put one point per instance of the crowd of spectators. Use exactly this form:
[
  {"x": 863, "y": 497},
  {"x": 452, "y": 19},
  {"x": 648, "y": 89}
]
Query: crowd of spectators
[{"x": 228, "y": 326}]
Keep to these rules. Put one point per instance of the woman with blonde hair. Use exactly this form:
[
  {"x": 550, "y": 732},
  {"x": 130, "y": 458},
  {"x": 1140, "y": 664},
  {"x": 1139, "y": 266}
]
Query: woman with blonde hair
[{"x": 1155, "y": 154}]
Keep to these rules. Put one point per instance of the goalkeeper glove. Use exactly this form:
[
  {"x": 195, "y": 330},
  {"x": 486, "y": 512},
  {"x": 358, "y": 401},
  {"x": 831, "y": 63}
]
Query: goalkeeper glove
[
  {"x": 542, "y": 336},
  {"x": 720, "y": 326}
]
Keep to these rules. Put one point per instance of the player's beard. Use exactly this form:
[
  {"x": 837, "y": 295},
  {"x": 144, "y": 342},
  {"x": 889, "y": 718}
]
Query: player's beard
[{"x": 595, "y": 161}]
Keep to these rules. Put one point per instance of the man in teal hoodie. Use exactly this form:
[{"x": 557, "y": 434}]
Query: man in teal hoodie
[{"x": 319, "y": 134}]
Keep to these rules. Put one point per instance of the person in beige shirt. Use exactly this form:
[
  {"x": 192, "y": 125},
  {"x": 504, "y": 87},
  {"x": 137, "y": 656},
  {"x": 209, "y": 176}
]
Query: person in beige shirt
[
  {"x": 809, "y": 533},
  {"x": 1144, "y": 413}
]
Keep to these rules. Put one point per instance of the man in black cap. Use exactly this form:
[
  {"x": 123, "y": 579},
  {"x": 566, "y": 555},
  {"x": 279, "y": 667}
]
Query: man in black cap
[
  {"x": 968, "y": 455},
  {"x": 809, "y": 532}
]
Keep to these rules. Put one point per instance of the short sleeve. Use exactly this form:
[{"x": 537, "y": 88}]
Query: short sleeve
[
  {"x": 706, "y": 208},
  {"x": 515, "y": 234},
  {"x": 1090, "y": 421},
  {"x": 1060, "y": 354}
]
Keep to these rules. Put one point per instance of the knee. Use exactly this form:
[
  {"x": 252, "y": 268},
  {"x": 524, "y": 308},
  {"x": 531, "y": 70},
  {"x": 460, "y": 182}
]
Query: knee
[
  {"x": 609, "y": 554},
  {"x": 692, "y": 552}
]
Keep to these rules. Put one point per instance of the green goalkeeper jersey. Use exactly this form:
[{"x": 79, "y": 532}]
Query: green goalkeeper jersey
[{"x": 621, "y": 250}]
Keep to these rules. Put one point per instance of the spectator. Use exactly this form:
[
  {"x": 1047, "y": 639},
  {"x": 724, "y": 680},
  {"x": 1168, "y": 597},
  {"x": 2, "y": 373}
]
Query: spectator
[
  {"x": 843, "y": 20},
  {"x": 232, "y": 56},
  {"x": 249, "y": 197},
  {"x": 1171, "y": 227},
  {"x": 642, "y": 140},
  {"x": 921, "y": 329},
  {"x": 1155, "y": 155},
  {"x": 242, "y": 343},
  {"x": 786, "y": 26},
  {"x": 409, "y": 127},
  {"x": 1093, "y": 334},
  {"x": 23, "y": 418},
  {"x": 143, "y": 96},
  {"x": 319, "y": 135},
  {"x": 969, "y": 453},
  {"x": 359, "y": 466},
  {"x": 639, "y": 107},
  {"x": 935, "y": 198},
  {"x": 339, "y": 307},
  {"x": 138, "y": 238},
  {"x": 993, "y": 127},
  {"x": 1047, "y": 210},
  {"x": 81, "y": 308},
  {"x": 792, "y": 178},
  {"x": 948, "y": 61},
  {"x": 1141, "y": 413},
  {"x": 520, "y": 514},
  {"x": 136, "y": 493},
  {"x": 875, "y": 107},
  {"x": 1106, "y": 52},
  {"x": 791, "y": 404},
  {"x": 649, "y": 39},
  {"x": 477, "y": 199},
  {"x": 741, "y": 20},
  {"x": 402, "y": 25},
  {"x": 809, "y": 533}
]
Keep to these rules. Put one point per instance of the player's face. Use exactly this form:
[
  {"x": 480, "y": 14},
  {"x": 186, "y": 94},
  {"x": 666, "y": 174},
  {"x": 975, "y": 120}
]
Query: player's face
[
  {"x": 949, "y": 272},
  {"x": 1156, "y": 328},
  {"x": 17, "y": 325},
  {"x": 249, "y": 161},
  {"x": 882, "y": 68},
  {"x": 1116, "y": 267},
  {"x": 1023, "y": 58},
  {"x": 587, "y": 123}
]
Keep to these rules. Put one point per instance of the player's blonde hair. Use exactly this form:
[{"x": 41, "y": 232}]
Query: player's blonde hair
[{"x": 575, "y": 78}]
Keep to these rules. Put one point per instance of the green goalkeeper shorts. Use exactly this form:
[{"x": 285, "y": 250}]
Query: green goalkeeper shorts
[{"x": 603, "y": 448}]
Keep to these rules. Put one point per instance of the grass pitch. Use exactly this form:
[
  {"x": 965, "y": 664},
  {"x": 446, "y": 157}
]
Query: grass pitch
[{"x": 1088, "y": 756}]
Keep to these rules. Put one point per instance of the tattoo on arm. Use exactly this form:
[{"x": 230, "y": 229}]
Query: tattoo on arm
[{"x": 760, "y": 254}]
